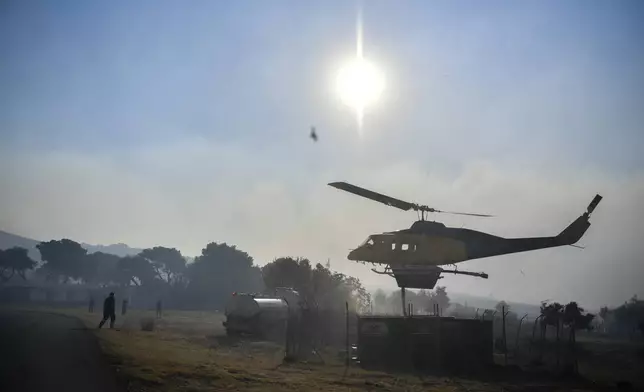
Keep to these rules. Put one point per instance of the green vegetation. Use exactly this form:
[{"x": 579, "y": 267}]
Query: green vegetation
[
  {"x": 14, "y": 261},
  {"x": 626, "y": 320},
  {"x": 205, "y": 283},
  {"x": 219, "y": 271},
  {"x": 318, "y": 285}
]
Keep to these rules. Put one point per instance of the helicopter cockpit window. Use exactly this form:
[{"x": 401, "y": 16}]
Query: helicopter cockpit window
[{"x": 368, "y": 243}]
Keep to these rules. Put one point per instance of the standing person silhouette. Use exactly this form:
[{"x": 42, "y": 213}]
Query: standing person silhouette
[{"x": 109, "y": 311}]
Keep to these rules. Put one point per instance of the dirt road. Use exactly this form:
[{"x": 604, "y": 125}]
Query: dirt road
[{"x": 49, "y": 352}]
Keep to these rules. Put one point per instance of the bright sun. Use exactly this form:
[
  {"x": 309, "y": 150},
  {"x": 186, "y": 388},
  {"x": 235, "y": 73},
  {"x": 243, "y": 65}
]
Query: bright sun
[{"x": 359, "y": 83}]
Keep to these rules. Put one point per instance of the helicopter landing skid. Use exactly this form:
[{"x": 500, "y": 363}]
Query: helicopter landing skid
[
  {"x": 386, "y": 271},
  {"x": 421, "y": 276},
  {"x": 457, "y": 272}
]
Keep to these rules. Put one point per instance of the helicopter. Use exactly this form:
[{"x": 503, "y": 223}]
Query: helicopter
[{"x": 416, "y": 256}]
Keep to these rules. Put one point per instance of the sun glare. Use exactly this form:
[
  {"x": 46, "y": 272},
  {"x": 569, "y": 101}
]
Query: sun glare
[{"x": 359, "y": 83}]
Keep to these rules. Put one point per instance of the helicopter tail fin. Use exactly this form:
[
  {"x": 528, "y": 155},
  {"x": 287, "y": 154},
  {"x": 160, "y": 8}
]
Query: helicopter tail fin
[{"x": 577, "y": 229}]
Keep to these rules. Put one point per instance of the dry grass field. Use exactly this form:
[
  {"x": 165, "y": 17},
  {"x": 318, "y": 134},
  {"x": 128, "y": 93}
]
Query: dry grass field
[{"x": 188, "y": 351}]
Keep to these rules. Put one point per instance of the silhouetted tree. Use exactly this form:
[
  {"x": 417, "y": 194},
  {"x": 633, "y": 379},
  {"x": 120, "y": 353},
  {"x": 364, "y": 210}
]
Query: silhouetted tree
[
  {"x": 221, "y": 270},
  {"x": 326, "y": 288},
  {"x": 63, "y": 259},
  {"x": 394, "y": 300},
  {"x": 295, "y": 273},
  {"x": 15, "y": 261},
  {"x": 102, "y": 268},
  {"x": 437, "y": 297},
  {"x": 551, "y": 313},
  {"x": 380, "y": 301},
  {"x": 440, "y": 297},
  {"x": 419, "y": 300},
  {"x": 573, "y": 316},
  {"x": 422, "y": 301},
  {"x": 569, "y": 315},
  {"x": 136, "y": 270},
  {"x": 630, "y": 315},
  {"x": 168, "y": 263},
  {"x": 318, "y": 286},
  {"x": 357, "y": 293}
]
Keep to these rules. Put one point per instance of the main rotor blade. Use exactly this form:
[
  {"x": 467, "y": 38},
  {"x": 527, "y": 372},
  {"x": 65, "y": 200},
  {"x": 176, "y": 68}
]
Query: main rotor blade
[
  {"x": 379, "y": 197},
  {"x": 465, "y": 213}
]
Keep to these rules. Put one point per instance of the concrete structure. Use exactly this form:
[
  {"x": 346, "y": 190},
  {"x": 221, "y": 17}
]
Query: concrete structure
[{"x": 424, "y": 342}]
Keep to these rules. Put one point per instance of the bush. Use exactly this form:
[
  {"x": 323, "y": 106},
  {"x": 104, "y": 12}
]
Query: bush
[{"x": 147, "y": 324}]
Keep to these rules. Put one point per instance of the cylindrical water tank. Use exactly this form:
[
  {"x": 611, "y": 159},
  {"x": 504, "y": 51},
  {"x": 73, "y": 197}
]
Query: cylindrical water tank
[{"x": 246, "y": 306}]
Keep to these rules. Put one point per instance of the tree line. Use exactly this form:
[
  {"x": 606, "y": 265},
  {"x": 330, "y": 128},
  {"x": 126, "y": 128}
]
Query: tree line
[
  {"x": 552, "y": 314},
  {"x": 422, "y": 301},
  {"x": 206, "y": 282},
  {"x": 626, "y": 319},
  {"x": 15, "y": 261}
]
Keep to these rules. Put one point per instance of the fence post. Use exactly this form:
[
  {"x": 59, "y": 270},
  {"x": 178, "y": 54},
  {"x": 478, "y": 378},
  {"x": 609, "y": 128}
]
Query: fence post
[
  {"x": 574, "y": 348},
  {"x": 404, "y": 301},
  {"x": 557, "y": 344},
  {"x": 534, "y": 330},
  {"x": 516, "y": 345},
  {"x": 348, "y": 359},
  {"x": 505, "y": 345}
]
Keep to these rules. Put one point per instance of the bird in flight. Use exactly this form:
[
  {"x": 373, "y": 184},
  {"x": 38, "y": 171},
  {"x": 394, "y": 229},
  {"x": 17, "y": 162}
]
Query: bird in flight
[{"x": 314, "y": 135}]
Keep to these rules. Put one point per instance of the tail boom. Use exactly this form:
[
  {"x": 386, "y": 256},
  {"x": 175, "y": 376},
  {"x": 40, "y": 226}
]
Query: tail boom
[
  {"x": 569, "y": 236},
  {"x": 573, "y": 233}
]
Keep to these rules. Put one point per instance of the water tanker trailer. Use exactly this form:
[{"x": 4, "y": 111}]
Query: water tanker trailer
[{"x": 248, "y": 314}]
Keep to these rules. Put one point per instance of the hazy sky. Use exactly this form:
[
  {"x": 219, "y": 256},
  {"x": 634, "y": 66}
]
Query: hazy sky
[{"x": 180, "y": 123}]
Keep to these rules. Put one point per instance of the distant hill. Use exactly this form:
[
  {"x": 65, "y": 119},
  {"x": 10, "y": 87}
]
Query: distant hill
[
  {"x": 8, "y": 240},
  {"x": 121, "y": 250}
]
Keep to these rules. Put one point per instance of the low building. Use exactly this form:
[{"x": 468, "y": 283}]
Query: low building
[{"x": 424, "y": 342}]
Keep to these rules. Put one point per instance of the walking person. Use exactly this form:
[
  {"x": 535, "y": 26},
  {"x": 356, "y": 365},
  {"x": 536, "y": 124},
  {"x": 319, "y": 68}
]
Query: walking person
[{"x": 109, "y": 311}]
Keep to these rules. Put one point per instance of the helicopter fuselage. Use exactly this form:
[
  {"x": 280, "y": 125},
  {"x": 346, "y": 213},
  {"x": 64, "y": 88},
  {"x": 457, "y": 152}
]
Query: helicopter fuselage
[{"x": 433, "y": 244}]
